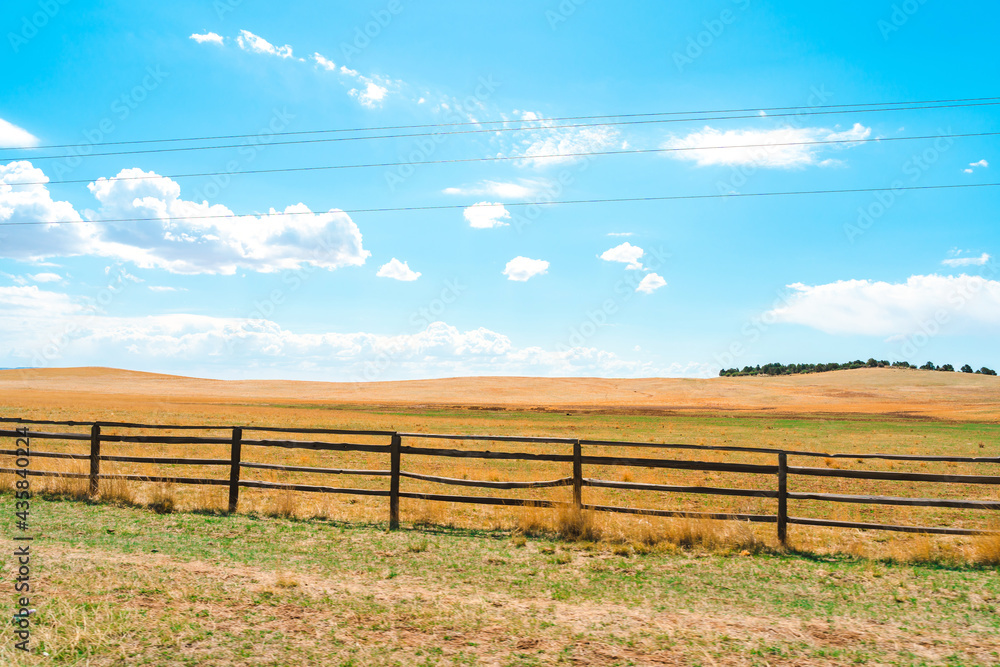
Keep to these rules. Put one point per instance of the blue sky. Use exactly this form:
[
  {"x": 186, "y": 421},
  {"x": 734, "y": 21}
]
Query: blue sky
[{"x": 667, "y": 288}]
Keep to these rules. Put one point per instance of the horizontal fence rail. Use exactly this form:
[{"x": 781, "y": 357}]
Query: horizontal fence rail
[{"x": 233, "y": 437}]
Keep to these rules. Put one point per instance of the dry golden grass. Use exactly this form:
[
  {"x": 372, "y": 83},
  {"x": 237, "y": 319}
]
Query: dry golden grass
[
  {"x": 180, "y": 400},
  {"x": 872, "y": 391}
]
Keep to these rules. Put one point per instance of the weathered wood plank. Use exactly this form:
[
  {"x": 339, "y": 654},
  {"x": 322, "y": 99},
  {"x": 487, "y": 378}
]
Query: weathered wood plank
[
  {"x": 164, "y": 460},
  {"x": 40, "y": 435},
  {"x": 479, "y": 454},
  {"x": 789, "y": 452},
  {"x": 309, "y": 488},
  {"x": 484, "y": 500},
  {"x": 165, "y": 439},
  {"x": 668, "y": 488},
  {"x": 318, "y": 446},
  {"x": 880, "y": 526},
  {"x": 757, "y": 518},
  {"x": 566, "y": 481},
  {"x": 488, "y": 438},
  {"x": 893, "y": 500},
  {"x": 783, "y": 498},
  {"x": 318, "y": 471},
  {"x": 681, "y": 465},
  {"x": 894, "y": 476},
  {"x": 50, "y": 455}
]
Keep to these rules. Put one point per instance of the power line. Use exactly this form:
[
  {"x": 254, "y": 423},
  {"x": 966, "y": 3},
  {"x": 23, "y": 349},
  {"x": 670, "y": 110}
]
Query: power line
[
  {"x": 445, "y": 207},
  {"x": 637, "y": 151},
  {"x": 493, "y": 122},
  {"x": 488, "y": 130}
]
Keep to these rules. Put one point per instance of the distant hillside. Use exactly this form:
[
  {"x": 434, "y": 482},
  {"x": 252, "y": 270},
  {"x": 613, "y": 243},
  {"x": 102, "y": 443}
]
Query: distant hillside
[{"x": 893, "y": 392}]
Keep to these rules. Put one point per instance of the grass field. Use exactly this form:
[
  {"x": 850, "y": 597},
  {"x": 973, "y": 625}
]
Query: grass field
[
  {"x": 125, "y": 586},
  {"x": 315, "y": 579},
  {"x": 158, "y": 399}
]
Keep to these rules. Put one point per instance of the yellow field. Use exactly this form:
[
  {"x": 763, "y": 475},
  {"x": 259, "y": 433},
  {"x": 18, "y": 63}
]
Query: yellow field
[{"x": 862, "y": 411}]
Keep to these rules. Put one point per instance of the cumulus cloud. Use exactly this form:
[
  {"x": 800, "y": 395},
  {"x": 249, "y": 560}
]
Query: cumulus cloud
[
  {"x": 982, "y": 260},
  {"x": 486, "y": 215},
  {"x": 372, "y": 95},
  {"x": 177, "y": 238},
  {"x": 325, "y": 63},
  {"x": 209, "y": 37},
  {"x": 650, "y": 283},
  {"x": 875, "y": 308},
  {"x": 762, "y": 148},
  {"x": 257, "y": 44},
  {"x": 625, "y": 253},
  {"x": 33, "y": 203},
  {"x": 522, "y": 188},
  {"x": 397, "y": 270},
  {"x": 521, "y": 269}
]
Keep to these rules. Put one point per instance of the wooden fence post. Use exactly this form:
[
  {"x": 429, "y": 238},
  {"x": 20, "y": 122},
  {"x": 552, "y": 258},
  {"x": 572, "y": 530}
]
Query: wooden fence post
[
  {"x": 783, "y": 498},
  {"x": 235, "y": 454},
  {"x": 577, "y": 475},
  {"x": 394, "y": 455},
  {"x": 95, "y": 460}
]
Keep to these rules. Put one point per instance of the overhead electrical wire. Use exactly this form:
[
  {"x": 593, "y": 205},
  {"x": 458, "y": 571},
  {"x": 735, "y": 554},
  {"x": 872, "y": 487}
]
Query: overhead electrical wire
[
  {"x": 444, "y": 207},
  {"x": 520, "y": 120},
  {"x": 504, "y": 158},
  {"x": 482, "y": 130}
]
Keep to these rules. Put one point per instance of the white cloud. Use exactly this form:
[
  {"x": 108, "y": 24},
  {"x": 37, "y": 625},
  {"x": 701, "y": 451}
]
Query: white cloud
[
  {"x": 522, "y": 268},
  {"x": 12, "y": 136},
  {"x": 871, "y": 308},
  {"x": 621, "y": 234},
  {"x": 46, "y": 278},
  {"x": 209, "y": 37},
  {"x": 625, "y": 253},
  {"x": 973, "y": 165},
  {"x": 197, "y": 344},
  {"x": 284, "y": 240},
  {"x": 650, "y": 283},
  {"x": 397, "y": 270},
  {"x": 165, "y": 288},
  {"x": 761, "y": 147},
  {"x": 523, "y": 188},
  {"x": 324, "y": 62},
  {"x": 967, "y": 261},
  {"x": 257, "y": 44},
  {"x": 372, "y": 96},
  {"x": 563, "y": 142},
  {"x": 486, "y": 215},
  {"x": 31, "y": 203}
]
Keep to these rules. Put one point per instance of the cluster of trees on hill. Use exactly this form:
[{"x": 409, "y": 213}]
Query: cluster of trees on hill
[{"x": 794, "y": 369}]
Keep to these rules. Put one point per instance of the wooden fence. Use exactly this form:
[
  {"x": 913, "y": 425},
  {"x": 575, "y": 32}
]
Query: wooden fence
[{"x": 396, "y": 450}]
